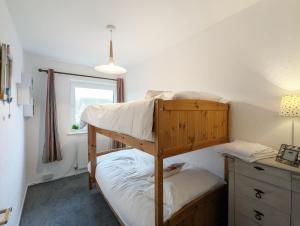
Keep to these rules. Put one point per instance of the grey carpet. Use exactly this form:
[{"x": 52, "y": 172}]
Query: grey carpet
[{"x": 66, "y": 202}]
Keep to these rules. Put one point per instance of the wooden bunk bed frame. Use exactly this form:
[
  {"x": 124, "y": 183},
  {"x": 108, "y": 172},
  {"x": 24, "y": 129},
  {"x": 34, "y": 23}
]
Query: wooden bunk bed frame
[{"x": 180, "y": 126}]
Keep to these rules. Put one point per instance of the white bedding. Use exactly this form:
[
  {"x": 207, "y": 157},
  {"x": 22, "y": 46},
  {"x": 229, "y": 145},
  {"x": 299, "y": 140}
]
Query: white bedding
[
  {"x": 134, "y": 118},
  {"x": 122, "y": 177}
]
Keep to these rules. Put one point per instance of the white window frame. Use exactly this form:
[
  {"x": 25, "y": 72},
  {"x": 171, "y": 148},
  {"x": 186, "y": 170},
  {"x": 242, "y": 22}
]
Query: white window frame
[{"x": 101, "y": 84}]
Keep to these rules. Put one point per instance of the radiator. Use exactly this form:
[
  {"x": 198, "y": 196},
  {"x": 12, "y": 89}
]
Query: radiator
[
  {"x": 81, "y": 156},
  {"x": 82, "y": 151}
]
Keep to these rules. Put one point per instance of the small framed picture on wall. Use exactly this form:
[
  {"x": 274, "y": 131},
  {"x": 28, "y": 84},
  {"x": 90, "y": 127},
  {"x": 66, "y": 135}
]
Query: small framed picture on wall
[{"x": 5, "y": 72}]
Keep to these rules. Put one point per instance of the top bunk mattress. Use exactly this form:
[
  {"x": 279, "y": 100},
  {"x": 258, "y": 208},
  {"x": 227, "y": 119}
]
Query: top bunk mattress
[
  {"x": 135, "y": 118},
  {"x": 132, "y": 118}
]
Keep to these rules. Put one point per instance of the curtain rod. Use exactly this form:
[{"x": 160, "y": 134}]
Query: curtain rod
[{"x": 79, "y": 75}]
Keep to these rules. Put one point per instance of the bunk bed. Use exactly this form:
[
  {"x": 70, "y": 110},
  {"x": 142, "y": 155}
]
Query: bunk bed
[{"x": 179, "y": 126}]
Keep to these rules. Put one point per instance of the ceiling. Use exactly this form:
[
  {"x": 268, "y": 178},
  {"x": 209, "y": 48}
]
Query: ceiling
[{"x": 74, "y": 31}]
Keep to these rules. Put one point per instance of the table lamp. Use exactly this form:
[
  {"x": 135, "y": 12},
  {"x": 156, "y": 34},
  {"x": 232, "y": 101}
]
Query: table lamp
[{"x": 290, "y": 107}]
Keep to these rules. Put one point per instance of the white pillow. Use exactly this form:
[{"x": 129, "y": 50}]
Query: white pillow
[
  {"x": 185, "y": 186},
  {"x": 195, "y": 95},
  {"x": 169, "y": 95},
  {"x": 150, "y": 94}
]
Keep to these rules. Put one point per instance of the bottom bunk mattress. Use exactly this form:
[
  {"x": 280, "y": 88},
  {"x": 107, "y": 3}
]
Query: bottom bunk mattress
[{"x": 126, "y": 180}]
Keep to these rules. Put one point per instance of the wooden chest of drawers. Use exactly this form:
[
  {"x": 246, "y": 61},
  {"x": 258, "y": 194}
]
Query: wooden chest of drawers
[{"x": 265, "y": 193}]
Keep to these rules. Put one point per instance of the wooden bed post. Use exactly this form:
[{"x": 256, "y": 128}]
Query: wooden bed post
[
  {"x": 159, "y": 211},
  {"x": 92, "y": 153},
  {"x": 159, "y": 165}
]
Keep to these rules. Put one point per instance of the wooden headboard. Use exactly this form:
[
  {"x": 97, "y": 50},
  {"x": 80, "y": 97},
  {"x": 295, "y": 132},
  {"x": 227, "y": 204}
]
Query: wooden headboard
[{"x": 186, "y": 125}]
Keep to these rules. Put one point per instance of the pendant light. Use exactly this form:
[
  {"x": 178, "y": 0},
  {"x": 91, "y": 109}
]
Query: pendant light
[{"x": 111, "y": 68}]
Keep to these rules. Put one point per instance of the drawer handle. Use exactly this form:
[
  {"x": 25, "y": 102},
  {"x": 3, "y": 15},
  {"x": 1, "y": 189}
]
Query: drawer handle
[
  {"x": 258, "y": 193},
  {"x": 258, "y": 168},
  {"x": 258, "y": 215}
]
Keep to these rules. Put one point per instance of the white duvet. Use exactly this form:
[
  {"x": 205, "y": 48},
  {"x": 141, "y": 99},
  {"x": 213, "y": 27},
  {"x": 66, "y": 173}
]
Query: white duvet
[
  {"x": 132, "y": 118},
  {"x": 122, "y": 177}
]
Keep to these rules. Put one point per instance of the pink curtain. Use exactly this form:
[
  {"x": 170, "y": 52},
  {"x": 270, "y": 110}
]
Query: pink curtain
[
  {"x": 120, "y": 99},
  {"x": 120, "y": 90},
  {"x": 52, "y": 149}
]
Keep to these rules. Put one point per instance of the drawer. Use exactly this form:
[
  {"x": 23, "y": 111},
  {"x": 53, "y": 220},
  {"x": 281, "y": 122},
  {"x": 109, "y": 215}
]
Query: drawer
[
  {"x": 230, "y": 162},
  {"x": 264, "y": 193},
  {"x": 260, "y": 213},
  {"x": 241, "y": 220},
  {"x": 296, "y": 209},
  {"x": 263, "y": 173},
  {"x": 296, "y": 183}
]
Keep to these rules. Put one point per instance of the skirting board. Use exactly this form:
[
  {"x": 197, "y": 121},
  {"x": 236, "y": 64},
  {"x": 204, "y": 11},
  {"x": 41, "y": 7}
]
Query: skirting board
[
  {"x": 74, "y": 173},
  {"x": 22, "y": 205}
]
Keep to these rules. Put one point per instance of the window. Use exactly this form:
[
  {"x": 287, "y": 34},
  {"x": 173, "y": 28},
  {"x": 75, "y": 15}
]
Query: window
[{"x": 86, "y": 93}]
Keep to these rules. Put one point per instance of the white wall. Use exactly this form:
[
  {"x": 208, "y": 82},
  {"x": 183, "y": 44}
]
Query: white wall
[
  {"x": 12, "y": 156},
  {"x": 34, "y": 127},
  {"x": 251, "y": 58}
]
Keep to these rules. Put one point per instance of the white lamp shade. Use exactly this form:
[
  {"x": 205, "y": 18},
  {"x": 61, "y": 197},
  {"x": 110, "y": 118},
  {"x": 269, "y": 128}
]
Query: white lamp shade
[
  {"x": 290, "y": 106},
  {"x": 111, "y": 69}
]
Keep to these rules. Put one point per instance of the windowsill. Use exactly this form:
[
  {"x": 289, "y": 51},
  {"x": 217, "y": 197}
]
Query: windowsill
[{"x": 77, "y": 132}]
